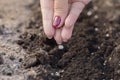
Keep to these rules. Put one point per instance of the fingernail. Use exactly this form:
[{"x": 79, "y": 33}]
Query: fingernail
[
  {"x": 59, "y": 42},
  {"x": 56, "y": 21},
  {"x": 49, "y": 37},
  {"x": 65, "y": 40}
]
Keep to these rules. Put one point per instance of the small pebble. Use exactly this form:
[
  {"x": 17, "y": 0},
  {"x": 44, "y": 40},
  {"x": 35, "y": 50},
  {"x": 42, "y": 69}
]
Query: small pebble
[
  {"x": 60, "y": 47},
  {"x": 95, "y": 8},
  {"x": 62, "y": 71},
  {"x": 119, "y": 64},
  {"x": 107, "y": 35},
  {"x": 104, "y": 63},
  {"x": 89, "y": 13},
  {"x": 30, "y": 75},
  {"x": 96, "y": 16},
  {"x": 52, "y": 74},
  {"x": 15, "y": 66},
  {"x": 98, "y": 47},
  {"x": 57, "y": 74},
  {"x": 109, "y": 59},
  {"x": 96, "y": 29},
  {"x": 118, "y": 71},
  {"x": 92, "y": 53}
]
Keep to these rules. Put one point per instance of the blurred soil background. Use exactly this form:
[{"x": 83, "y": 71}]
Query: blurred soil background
[{"x": 93, "y": 52}]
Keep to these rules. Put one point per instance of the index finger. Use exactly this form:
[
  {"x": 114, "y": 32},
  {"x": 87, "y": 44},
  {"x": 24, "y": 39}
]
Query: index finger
[{"x": 47, "y": 17}]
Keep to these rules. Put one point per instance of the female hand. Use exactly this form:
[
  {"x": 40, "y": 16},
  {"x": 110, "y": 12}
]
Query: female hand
[{"x": 61, "y": 13}]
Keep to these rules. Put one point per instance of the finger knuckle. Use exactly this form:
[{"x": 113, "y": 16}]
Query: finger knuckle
[{"x": 68, "y": 24}]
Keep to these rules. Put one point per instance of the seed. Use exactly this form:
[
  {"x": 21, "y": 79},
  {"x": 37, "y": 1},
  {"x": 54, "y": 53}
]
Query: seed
[{"x": 60, "y": 47}]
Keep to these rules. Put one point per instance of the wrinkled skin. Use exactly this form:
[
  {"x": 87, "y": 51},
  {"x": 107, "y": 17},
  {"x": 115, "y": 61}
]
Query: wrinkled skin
[{"x": 68, "y": 10}]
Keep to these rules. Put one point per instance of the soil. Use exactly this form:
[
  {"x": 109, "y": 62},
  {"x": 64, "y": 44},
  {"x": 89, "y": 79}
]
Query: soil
[{"x": 93, "y": 52}]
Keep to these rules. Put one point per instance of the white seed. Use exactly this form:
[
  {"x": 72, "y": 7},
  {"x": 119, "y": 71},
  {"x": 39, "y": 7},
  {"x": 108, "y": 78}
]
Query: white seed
[{"x": 60, "y": 46}]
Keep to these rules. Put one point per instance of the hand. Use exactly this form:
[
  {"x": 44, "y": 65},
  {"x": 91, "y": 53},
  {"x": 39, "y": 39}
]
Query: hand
[{"x": 61, "y": 13}]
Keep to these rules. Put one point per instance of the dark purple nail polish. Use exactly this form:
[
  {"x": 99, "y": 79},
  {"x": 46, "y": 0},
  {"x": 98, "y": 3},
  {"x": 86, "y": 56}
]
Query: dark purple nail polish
[{"x": 56, "y": 21}]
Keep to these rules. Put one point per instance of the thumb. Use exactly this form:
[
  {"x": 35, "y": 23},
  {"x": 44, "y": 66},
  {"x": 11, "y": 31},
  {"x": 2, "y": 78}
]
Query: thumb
[{"x": 60, "y": 12}]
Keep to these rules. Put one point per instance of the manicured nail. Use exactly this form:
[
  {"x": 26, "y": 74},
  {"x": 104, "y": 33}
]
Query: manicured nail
[{"x": 56, "y": 21}]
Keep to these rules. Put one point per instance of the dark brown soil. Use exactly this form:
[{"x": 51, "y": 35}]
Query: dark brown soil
[{"x": 93, "y": 52}]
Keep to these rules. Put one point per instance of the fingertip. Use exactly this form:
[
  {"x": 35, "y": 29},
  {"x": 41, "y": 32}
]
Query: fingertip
[
  {"x": 66, "y": 34},
  {"x": 65, "y": 40},
  {"x": 58, "y": 41},
  {"x": 58, "y": 37},
  {"x": 49, "y": 34},
  {"x": 50, "y": 37}
]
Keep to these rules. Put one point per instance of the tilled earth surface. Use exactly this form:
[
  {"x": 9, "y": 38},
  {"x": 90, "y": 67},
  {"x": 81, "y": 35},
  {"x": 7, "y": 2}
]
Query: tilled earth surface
[{"x": 93, "y": 52}]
